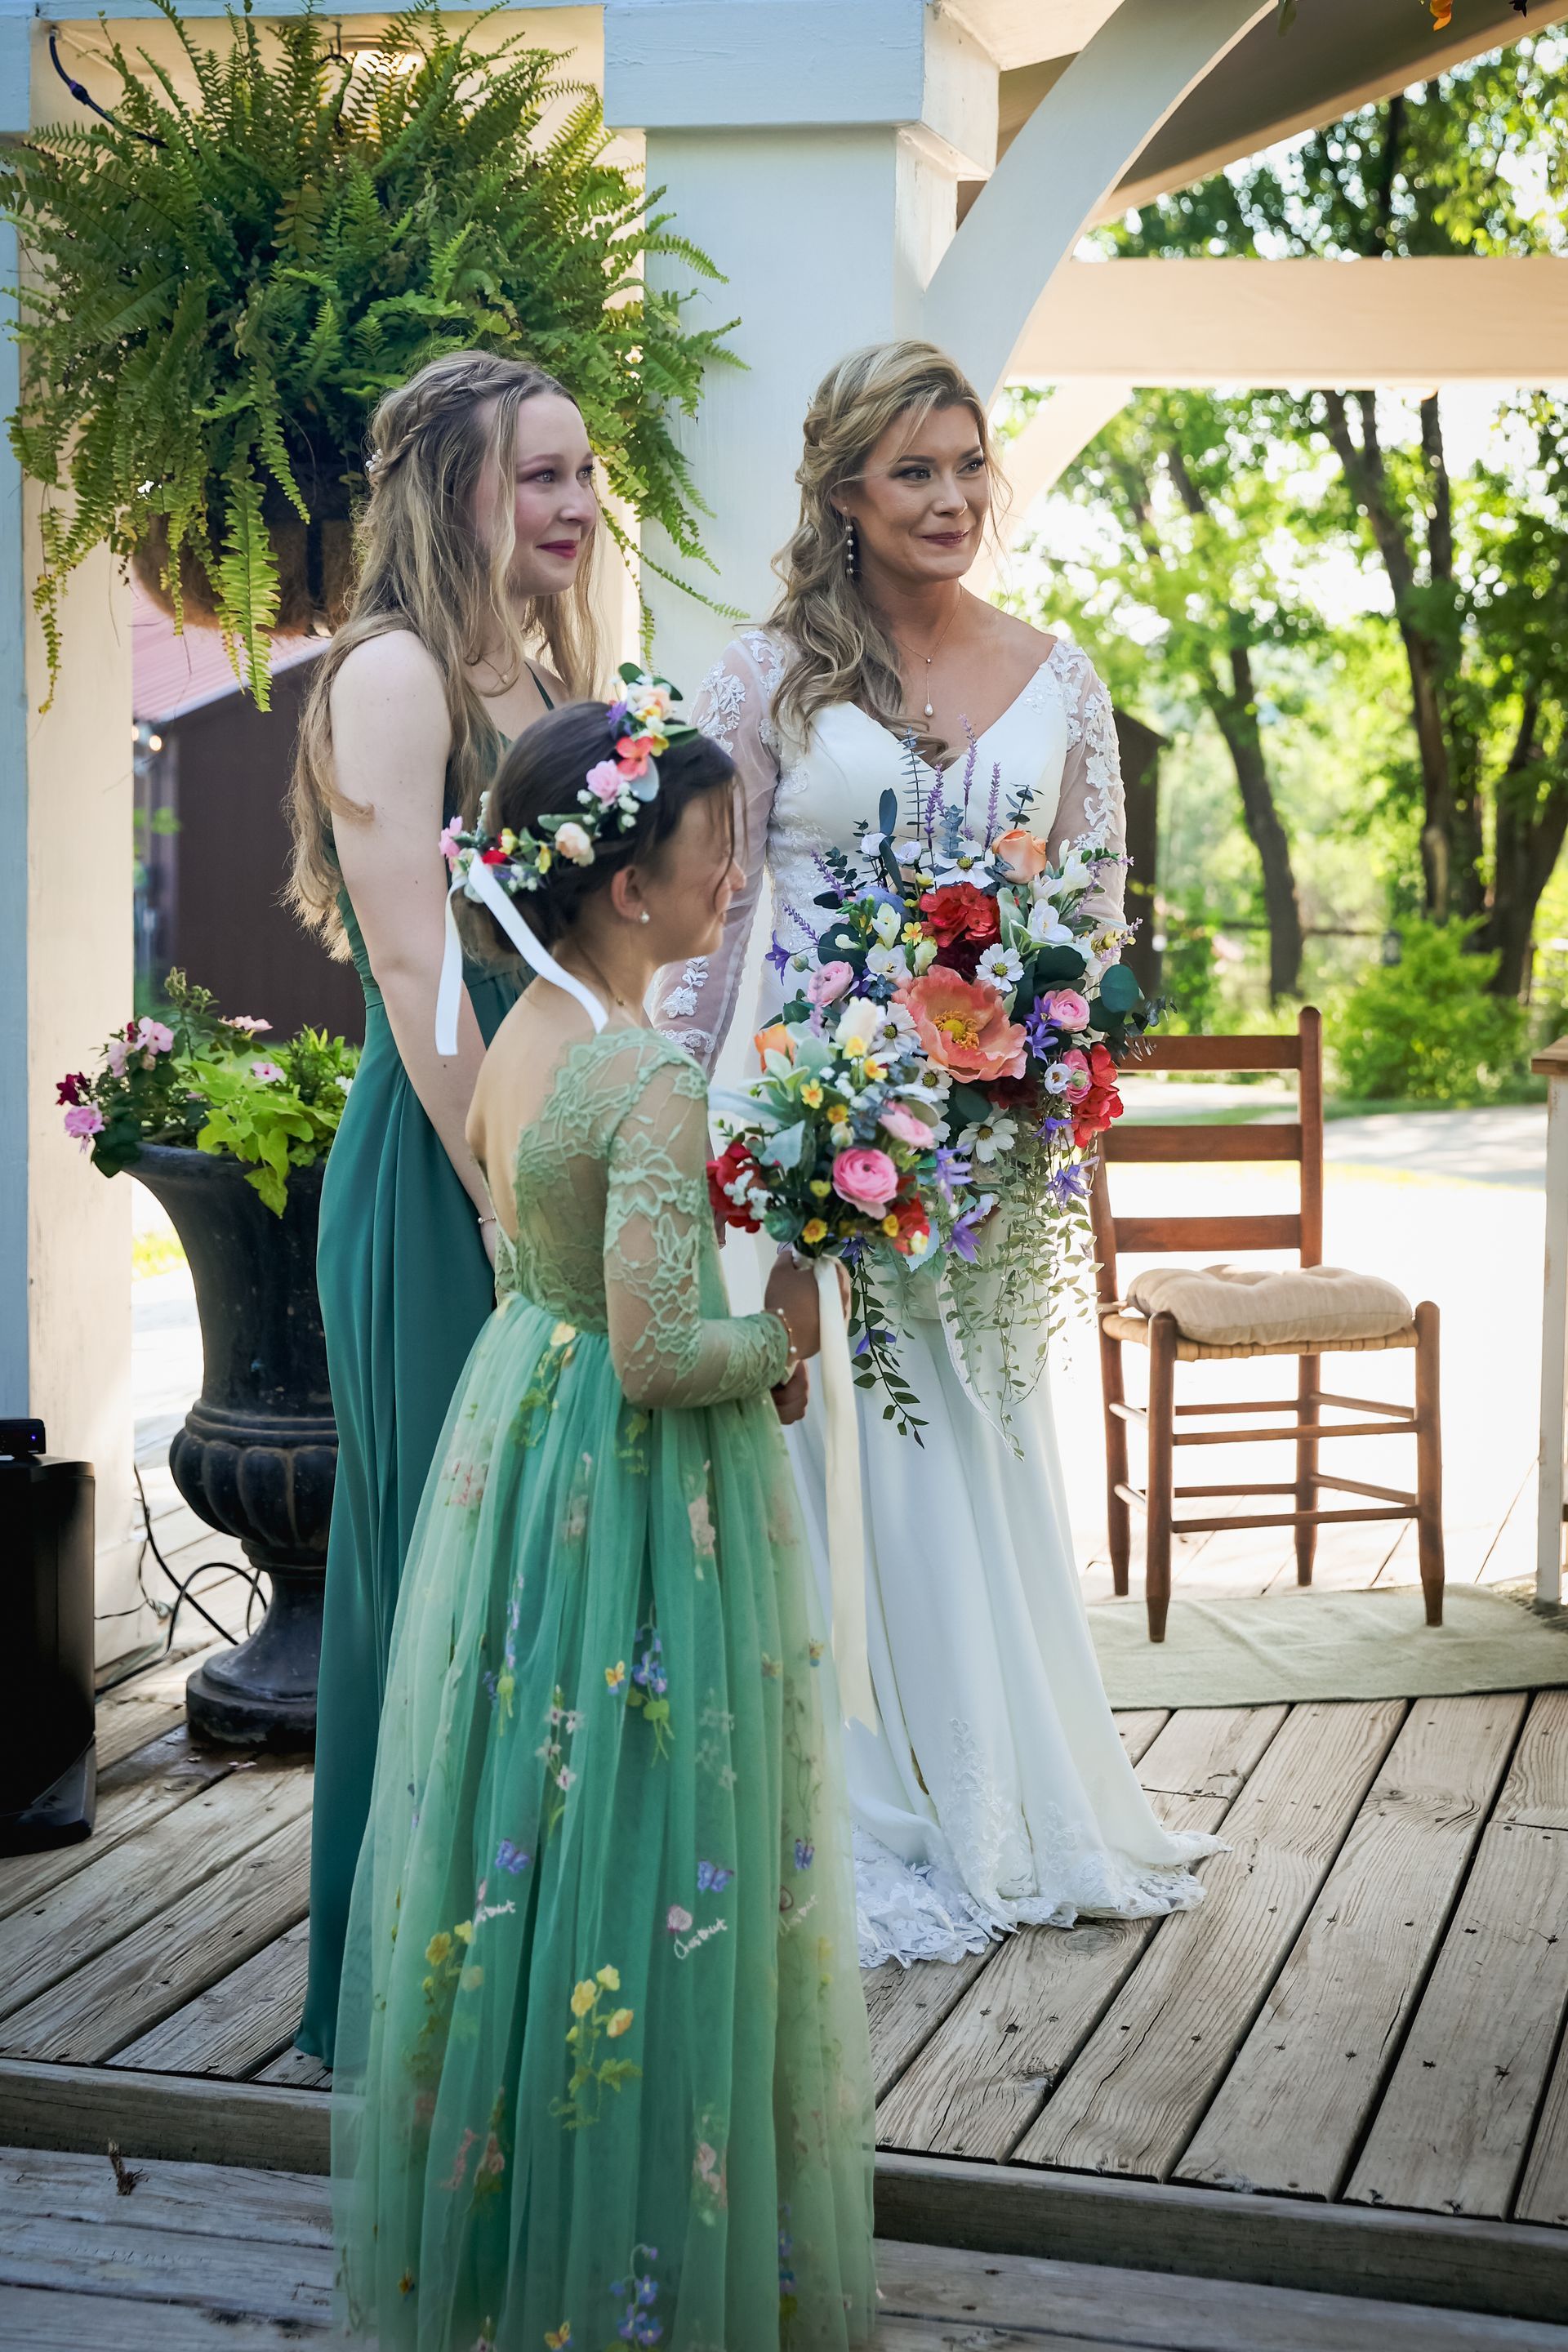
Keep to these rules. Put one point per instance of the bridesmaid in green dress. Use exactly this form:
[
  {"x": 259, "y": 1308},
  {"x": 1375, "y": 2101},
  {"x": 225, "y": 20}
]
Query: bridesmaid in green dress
[
  {"x": 603, "y": 2072},
  {"x": 476, "y": 549}
]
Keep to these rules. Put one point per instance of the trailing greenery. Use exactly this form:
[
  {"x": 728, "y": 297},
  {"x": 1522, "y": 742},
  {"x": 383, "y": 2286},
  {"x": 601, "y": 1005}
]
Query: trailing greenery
[
  {"x": 1427, "y": 1029},
  {"x": 220, "y": 291}
]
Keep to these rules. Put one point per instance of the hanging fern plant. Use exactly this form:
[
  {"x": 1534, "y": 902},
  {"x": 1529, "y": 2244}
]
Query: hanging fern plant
[{"x": 218, "y": 292}]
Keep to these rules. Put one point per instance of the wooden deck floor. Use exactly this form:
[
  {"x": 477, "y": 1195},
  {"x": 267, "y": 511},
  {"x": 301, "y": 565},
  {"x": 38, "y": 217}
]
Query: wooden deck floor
[
  {"x": 1346, "y": 2070},
  {"x": 192, "y": 2258}
]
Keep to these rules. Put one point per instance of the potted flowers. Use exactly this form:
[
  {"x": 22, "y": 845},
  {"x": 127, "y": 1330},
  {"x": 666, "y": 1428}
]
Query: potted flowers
[
  {"x": 220, "y": 288},
  {"x": 232, "y": 1136}
]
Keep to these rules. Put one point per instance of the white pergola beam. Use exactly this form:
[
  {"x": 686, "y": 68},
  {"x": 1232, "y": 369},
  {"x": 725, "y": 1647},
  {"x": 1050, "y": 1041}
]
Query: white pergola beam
[
  {"x": 1074, "y": 149},
  {"x": 1434, "y": 320},
  {"x": 1037, "y": 458}
]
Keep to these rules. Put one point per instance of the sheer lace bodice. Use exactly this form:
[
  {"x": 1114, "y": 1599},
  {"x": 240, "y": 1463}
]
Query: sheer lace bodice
[
  {"x": 613, "y": 1231},
  {"x": 1057, "y": 738}
]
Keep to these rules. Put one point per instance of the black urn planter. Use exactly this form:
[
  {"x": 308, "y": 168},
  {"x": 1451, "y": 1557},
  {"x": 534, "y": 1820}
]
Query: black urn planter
[{"x": 257, "y": 1453}]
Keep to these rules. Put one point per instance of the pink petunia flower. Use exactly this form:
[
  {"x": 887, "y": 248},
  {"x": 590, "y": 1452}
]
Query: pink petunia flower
[
  {"x": 154, "y": 1037},
  {"x": 248, "y": 1022},
  {"x": 116, "y": 1051},
  {"x": 84, "y": 1121},
  {"x": 267, "y": 1072}
]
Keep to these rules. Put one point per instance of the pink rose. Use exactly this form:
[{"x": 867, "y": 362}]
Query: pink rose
[
  {"x": 904, "y": 1125},
  {"x": 866, "y": 1178},
  {"x": 84, "y": 1121},
  {"x": 829, "y": 982},
  {"x": 1078, "y": 1082},
  {"x": 1066, "y": 1009},
  {"x": 605, "y": 782},
  {"x": 573, "y": 842}
]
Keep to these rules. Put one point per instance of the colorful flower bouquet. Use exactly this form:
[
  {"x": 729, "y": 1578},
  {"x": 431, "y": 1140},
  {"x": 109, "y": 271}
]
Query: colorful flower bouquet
[
  {"x": 195, "y": 1077},
  {"x": 931, "y": 1095}
]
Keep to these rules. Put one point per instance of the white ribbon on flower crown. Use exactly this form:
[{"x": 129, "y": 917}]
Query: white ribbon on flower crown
[
  {"x": 846, "y": 1519},
  {"x": 530, "y": 947}
]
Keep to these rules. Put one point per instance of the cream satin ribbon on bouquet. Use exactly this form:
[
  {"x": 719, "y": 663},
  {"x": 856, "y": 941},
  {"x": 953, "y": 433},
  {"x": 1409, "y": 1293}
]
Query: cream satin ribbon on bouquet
[{"x": 846, "y": 1521}]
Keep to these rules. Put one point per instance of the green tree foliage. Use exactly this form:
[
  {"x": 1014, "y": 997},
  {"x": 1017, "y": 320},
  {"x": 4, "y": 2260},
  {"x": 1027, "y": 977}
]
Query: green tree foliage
[
  {"x": 1188, "y": 591},
  {"x": 219, "y": 290},
  {"x": 1427, "y": 1029},
  {"x": 1473, "y": 163}
]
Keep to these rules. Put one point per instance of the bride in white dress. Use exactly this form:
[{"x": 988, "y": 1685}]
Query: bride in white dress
[{"x": 994, "y": 1793}]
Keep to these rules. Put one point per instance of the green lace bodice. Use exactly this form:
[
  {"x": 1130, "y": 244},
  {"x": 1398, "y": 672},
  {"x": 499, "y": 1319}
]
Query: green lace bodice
[{"x": 614, "y": 1230}]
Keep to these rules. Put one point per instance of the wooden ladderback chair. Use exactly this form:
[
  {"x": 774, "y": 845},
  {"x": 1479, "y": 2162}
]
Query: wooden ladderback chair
[{"x": 1168, "y": 1344}]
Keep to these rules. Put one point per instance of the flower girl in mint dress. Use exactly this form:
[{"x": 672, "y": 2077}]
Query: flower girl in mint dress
[{"x": 603, "y": 2072}]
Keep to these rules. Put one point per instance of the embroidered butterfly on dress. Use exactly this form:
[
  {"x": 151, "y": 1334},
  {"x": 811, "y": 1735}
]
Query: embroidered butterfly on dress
[
  {"x": 712, "y": 1879},
  {"x": 509, "y": 1857},
  {"x": 805, "y": 1854}
]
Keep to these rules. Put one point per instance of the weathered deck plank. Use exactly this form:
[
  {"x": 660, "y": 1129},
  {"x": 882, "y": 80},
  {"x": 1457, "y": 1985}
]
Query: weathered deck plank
[
  {"x": 1289, "y": 2113},
  {"x": 35, "y": 2319},
  {"x": 984, "y": 2076},
  {"x": 297, "y": 2072},
  {"x": 174, "y": 1956},
  {"x": 1130, "y": 2102},
  {"x": 134, "y": 1794},
  {"x": 95, "y": 1910},
  {"x": 236, "y": 2026},
  {"x": 1543, "y": 2191},
  {"x": 1454, "y": 2128}
]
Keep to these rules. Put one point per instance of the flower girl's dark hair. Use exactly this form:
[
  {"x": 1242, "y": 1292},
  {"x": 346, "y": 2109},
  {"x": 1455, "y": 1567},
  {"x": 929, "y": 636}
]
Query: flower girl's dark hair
[{"x": 542, "y": 775}]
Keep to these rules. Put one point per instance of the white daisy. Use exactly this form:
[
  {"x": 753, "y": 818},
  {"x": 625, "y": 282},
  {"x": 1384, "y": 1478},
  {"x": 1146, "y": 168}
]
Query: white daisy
[
  {"x": 988, "y": 1137},
  {"x": 1002, "y": 968}
]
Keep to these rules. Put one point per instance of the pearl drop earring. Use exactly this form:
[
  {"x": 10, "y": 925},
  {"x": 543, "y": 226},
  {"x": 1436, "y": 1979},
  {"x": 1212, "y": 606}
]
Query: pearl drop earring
[
  {"x": 851, "y": 549},
  {"x": 643, "y": 916}
]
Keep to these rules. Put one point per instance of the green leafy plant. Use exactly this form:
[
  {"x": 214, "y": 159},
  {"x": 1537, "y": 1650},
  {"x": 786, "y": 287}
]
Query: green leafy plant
[
  {"x": 188, "y": 1075},
  {"x": 1427, "y": 1029},
  {"x": 219, "y": 291}
]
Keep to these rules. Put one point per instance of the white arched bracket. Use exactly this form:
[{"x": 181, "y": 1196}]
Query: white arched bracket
[
  {"x": 1087, "y": 131},
  {"x": 1060, "y": 430}
]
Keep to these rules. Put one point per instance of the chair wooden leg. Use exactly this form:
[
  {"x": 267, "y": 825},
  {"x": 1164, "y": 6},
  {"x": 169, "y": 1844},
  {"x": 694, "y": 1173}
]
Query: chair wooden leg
[
  {"x": 1306, "y": 1464},
  {"x": 1161, "y": 1471},
  {"x": 1118, "y": 1516},
  {"x": 1428, "y": 1461}
]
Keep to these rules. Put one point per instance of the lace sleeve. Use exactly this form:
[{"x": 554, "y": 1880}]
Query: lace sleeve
[
  {"x": 694, "y": 1003},
  {"x": 1092, "y": 801},
  {"x": 665, "y": 1352}
]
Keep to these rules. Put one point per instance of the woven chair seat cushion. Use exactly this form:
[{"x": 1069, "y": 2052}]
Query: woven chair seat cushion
[{"x": 1305, "y": 1306}]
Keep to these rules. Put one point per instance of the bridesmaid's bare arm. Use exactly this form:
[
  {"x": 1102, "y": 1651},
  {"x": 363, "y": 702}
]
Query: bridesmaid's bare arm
[{"x": 390, "y": 739}]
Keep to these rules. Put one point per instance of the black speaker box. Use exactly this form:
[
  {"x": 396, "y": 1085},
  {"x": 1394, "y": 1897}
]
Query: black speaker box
[{"x": 49, "y": 1769}]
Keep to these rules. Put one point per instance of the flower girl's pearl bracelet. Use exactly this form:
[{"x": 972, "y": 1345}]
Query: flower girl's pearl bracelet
[{"x": 792, "y": 1366}]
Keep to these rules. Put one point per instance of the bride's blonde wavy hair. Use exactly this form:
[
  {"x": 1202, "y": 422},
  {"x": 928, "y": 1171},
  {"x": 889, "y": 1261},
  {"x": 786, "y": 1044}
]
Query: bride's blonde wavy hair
[
  {"x": 839, "y": 651},
  {"x": 422, "y": 565}
]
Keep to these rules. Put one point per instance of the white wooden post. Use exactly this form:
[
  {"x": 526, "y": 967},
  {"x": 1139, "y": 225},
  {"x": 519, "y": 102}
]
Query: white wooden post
[{"x": 1552, "y": 1065}]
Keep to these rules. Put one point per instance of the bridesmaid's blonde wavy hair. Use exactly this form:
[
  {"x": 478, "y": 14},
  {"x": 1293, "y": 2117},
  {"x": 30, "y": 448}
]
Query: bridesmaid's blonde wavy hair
[
  {"x": 423, "y": 566},
  {"x": 839, "y": 651}
]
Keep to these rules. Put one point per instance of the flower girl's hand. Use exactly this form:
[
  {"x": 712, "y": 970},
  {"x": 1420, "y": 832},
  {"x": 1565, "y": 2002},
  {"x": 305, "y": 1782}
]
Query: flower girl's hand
[
  {"x": 790, "y": 1396},
  {"x": 791, "y": 1293}
]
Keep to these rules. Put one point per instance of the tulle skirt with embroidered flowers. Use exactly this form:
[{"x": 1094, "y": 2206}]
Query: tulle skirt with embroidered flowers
[{"x": 603, "y": 2074}]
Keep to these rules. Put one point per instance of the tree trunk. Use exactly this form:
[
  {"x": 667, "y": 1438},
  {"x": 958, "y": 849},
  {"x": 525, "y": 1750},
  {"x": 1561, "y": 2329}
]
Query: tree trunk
[
  {"x": 1529, "y": 833},
  {"x": 1366, "y": 476},
  {"x": 1235, "y": 714}
]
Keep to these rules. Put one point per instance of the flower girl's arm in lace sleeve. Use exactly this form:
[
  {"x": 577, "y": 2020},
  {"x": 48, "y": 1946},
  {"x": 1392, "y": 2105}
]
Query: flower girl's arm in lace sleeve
[
  {"x": 666, "y": 1352},
  {"x": 695, "y": 1002},
  {"x": 1092, "y": 800}
]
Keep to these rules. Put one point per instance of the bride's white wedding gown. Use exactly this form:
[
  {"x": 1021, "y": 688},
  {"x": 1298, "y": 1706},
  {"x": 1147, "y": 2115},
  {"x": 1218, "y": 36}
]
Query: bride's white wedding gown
[{"x": 995, "y": 1793}]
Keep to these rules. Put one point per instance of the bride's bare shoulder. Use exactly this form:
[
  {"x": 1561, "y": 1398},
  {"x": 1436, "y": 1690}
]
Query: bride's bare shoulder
[{"x": 1020, "y": 639}]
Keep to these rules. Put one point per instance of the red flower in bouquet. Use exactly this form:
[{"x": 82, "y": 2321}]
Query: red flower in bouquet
[
  {"x": 963, "y": 921},
  {"x": 963, "y": 1025},
  {"x": 908, "y": 1227},
  {"x": 1094, "y": 1110},
  {"x": 73, "y": 1088},
  {"x": 734, "y": 1173}
]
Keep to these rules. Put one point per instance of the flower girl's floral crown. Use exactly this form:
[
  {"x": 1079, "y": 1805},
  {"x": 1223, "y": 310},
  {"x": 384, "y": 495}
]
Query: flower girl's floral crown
[
  {"x": 492, "y": 867},
  {"x": 613, "y": 791}
]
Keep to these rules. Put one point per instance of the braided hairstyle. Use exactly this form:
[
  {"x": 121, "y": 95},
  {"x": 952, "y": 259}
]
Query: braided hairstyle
[{"x": 424, "y": 566}]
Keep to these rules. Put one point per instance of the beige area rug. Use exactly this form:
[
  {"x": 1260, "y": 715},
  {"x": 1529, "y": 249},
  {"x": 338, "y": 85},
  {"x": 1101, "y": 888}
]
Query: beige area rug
[{"x": 1299, "y": 1645}]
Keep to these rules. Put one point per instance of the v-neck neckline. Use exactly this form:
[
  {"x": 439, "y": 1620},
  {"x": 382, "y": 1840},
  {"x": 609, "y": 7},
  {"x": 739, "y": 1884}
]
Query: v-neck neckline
[{"x": 1000, "y": 721}]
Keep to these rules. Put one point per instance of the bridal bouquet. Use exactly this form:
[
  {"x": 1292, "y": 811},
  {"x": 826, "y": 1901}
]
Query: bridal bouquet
[{"x": 991, "y": 1003}]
